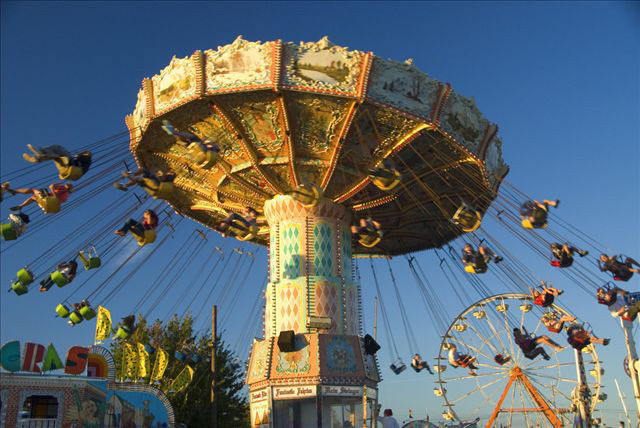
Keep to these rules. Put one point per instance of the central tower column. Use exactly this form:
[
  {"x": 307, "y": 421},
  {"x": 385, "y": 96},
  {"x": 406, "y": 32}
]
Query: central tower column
[{"x": 312, "y": 292}]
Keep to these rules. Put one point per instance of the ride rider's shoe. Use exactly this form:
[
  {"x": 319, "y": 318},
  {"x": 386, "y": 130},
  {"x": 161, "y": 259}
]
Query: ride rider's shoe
[
  {"x": 605, "y": 342},
  {"x": 546, "y": 357},
  {"x": 4, "y": 187},
  {"x": 583, "y": 253},
  {"x": 16, "y": 208},
  {"x": 120, "y": 186},
  {"x": 29, "y": 158},
  {"x": 497, "y": 259}
]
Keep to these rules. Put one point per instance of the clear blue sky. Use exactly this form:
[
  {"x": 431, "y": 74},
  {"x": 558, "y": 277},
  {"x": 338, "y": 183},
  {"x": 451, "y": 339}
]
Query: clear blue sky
[{"x": 561, "y": 79}]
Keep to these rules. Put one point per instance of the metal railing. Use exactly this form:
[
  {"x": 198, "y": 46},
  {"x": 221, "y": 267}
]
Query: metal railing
[{"x": 37, "y": 423}]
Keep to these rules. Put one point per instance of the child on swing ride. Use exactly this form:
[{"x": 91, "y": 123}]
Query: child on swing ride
[
  {"x": 149, "y": 222},
  {"x": 534, "y": 213},
  {"x": 419, "y": 364},
  {"x": 579, "y": 338},
  {"x": 563, "y": 254},
  {"x": 621, "y": 303},
  {"x": 622, "y": 270},
  {"x": 144, "y": 178},
  {"x": 58, "y": 190},
  {"x": 555, "y": 324},
  {"x": 202, "y": 152},
  {"x": 478, "y": 260},
  {"x": 69, "y": 166},
  {"x": 461, "y": 360},
  {"x": 529, "y": 344},
  {"x": 546, "y": 297},
  {"x": 67, "y": 269},
  {"x": 246, "y": 221}
]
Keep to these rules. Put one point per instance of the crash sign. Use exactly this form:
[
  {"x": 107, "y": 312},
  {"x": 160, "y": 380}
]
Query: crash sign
[{"x": 35, "y": 358}]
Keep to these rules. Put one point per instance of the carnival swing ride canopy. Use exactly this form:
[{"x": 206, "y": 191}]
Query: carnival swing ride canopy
[{"x": 284, "y": 114}]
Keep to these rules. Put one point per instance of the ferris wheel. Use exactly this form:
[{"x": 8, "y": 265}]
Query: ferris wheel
[{"x": 495, "y": 379}]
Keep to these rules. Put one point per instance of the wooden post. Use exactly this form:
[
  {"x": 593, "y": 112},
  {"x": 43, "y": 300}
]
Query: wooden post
[{"x": 214, "y": 410}]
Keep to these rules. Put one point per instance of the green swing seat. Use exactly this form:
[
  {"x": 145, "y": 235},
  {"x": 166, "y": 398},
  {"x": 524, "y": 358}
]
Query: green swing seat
[
  {"x": 62, "y": 311},
  {"x": 19, "y": 288},
  {"x": 87, "y": 312},
  {"x": 25, "y": 277},
  {"x": 93, "y": 263},
  {"x": 8, "y": 232},
  {"x": 123, "y": 333},
  {"x": 59, "y": 279},
  {"x": 75, "y": 318}
]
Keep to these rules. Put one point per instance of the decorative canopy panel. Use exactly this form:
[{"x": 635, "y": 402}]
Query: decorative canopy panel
[{"x": 285, "y": 114}]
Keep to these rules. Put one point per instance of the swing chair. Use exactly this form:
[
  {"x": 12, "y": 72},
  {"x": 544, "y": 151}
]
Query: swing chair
[
  {"x": 467, "y": 218},
  {"x": 149, "y": 237},
  {"x": 550, "y": 321},
  {"x": 90, "y": 260},
  {"x": 123, "y": 332},
  {"x": 75, "y": 317},
  {"x": 87, "y": 312},
  {"x": 48, "y": 203},
  {"x": 398, "y": 366},
  {"x": 474, "y": 269},
  {"x": 62, "y": 310},
  {"x": 307, "y": 194},
  {"x": 239, "y": 230},
  {"x": 369, "y": 239},
  {"x": 25, "y": 277},
  {"x": 69, "y": 172},
  {"x": 203, "y": 158},
  {"x": 158, "y": 190},
  {"x": 8, "y": 232},
  {"x": 384, "y": 178},
  {"x": 59, "y": 278}
]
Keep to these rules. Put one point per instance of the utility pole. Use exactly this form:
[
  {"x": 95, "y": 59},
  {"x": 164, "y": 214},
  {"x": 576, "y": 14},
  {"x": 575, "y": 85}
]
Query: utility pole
[
  {"x": 624, "y": 406},
  {"x": 214, "y": 409},
  {"x": 634, "y": 364}
]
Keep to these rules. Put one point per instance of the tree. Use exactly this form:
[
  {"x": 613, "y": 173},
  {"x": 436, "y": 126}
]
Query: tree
[{"x": 192, "y": 405}]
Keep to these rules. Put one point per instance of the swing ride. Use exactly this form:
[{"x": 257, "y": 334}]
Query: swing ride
[{"x": 324, "y": 154}]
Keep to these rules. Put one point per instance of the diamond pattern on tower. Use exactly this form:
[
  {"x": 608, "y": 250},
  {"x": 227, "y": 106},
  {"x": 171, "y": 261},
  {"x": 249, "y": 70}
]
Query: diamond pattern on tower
[
  {"x": 290, "y": 246},
  {"x": 290, "y": 306},
  {"x": 323, "y": 260},
  {"x": 326, "y": 300},
  {"x": 346, "y": 253}
]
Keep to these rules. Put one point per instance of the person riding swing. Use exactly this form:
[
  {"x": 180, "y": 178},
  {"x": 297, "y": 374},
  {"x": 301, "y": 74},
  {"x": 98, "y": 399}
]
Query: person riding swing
[
  {"x": 620, "y": 303},
  {"x": 158, "y": 185},
  {"x": 70, "y": 167},
  {"x": 385, "y": 177},
  {"x": 563, "y": 254},
  {"x": 16, "y": 226},
  {"x": 477, "y": 261},
  {"x": 529, "y": 344},
  {"x": 419, "y": 364},
  {"x": 63, "y": 275},
  {"x": 546, "y": 296},
  {"x": 145, "y": 232},
  {"x": 461, "y": 360},
  {"x": 48, "y": 199},
  {"x": 622, "y": 270},
  {"x": 554, "y": 323},
  {"x": 534, "y": 214},
  {"x": 205, "y": 153},
  {"x": 368, "y": 232},
  {"x": 579, "y": 338},
  {"x": 243, "y": 227}
]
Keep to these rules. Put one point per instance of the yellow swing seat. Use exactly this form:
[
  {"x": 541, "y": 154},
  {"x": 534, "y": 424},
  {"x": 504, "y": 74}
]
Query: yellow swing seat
[
  {"x": 467, "y": 218},
  {"x": 8, "y": 232},
  {"x": 49, "y": 204},
  {"x": 19, "y": 288},
  {"x": 526, "y": 223},
  {"x": 244, "y": 234},
  {"x": 62, "y": 311},
  {"x": 472, "y": 269},
  {"x": 308, "y": 196},
  {"x": 370, "y": 240},
  {"x": 159, "y": 191},
  {"x": 90, "y": 261},
  {"x": 122, "y": 333},
  {"x": 204, "y": 159},
  {"x": 59, "y": 278},
  {"x": 25, "y": 276},
  {"x": 71, "y": 172},
  {"x": 148, "y": 238},
  {"x": 386, "y": 183}
]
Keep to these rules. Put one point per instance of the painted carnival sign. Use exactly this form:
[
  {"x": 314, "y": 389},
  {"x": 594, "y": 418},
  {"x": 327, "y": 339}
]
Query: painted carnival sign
[
  {"x": 35, "y": 358},
  {"x": 342, "y": 391},
  {"x": 290, "y": 392}
]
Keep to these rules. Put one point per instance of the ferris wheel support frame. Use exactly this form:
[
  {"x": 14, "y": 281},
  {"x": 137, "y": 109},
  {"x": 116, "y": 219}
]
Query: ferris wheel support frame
[
  {"x": 634, "y": 363},
  {"x": 582, "y": 393},
  {"x": 516, "y": 374}
]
